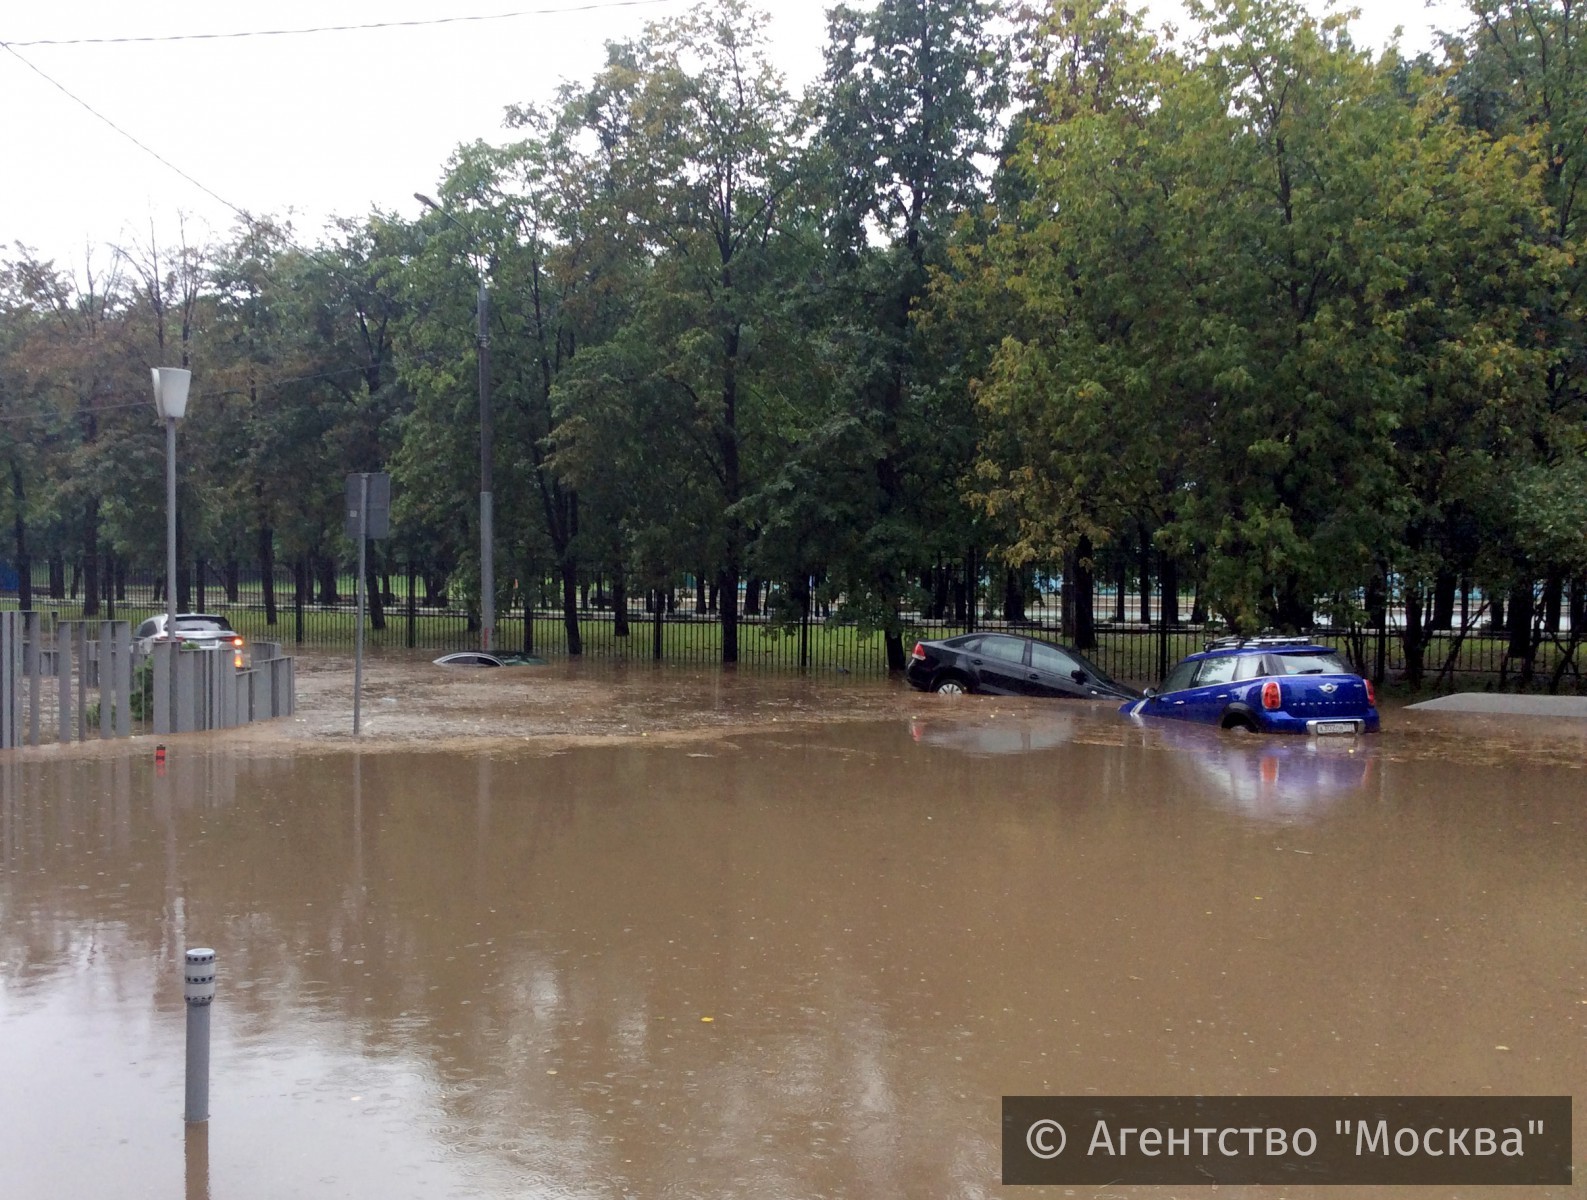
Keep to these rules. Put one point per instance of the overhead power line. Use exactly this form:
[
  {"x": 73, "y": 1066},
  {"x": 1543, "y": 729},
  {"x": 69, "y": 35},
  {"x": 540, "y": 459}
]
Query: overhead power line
[
  {"x": 252, "y": 221},
  {"x": 594, "y": 6},
  {"x": 73, "y": 96}
]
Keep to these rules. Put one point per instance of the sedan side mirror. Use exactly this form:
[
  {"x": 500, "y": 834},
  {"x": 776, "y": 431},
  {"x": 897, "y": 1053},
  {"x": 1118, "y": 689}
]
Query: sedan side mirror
[
  {"x": 1078, "y": 675},
  {"x": 1150, "y": 693}
]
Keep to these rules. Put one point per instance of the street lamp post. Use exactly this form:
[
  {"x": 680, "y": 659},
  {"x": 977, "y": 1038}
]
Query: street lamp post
[
  {"x": 487, "y": 538},
  {"x": 170, "y": 401}
]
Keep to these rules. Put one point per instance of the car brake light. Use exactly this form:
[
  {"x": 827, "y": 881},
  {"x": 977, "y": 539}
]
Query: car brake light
[
  {"x": 1270, "y": 696},
  {"x": 919, "y": 652},
  {"x": 236, "y": 641},
  {"x": 1372, "y": 694},
  {"x": 236, "y": 660}
]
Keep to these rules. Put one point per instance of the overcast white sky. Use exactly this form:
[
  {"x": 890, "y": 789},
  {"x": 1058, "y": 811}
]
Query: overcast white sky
[{"x": 319, "y": 124}]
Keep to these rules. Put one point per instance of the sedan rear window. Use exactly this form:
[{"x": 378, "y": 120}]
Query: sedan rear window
[
  {"x": 1003, "y": 648},
  {"x": 192, "y": 624},
  {"x": 1311, "y": 664}
]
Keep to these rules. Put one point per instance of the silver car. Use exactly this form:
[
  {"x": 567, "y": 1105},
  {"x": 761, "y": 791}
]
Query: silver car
[{"x": 202, "y": 630}]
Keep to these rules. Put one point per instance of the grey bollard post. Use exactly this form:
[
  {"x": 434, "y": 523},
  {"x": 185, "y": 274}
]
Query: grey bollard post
[{"x": 198, "y": 978}]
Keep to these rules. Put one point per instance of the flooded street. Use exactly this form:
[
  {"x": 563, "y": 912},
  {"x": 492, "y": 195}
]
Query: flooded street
[{"x": 552, "y": 933}]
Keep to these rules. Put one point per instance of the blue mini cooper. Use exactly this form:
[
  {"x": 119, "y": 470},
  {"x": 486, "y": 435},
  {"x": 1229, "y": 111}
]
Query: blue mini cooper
[{"x": 1264, "y": 685}]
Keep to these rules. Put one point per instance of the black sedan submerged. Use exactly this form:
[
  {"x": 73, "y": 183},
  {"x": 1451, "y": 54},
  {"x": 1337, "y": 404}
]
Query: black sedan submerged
[{"x": 1006, "y": 665}]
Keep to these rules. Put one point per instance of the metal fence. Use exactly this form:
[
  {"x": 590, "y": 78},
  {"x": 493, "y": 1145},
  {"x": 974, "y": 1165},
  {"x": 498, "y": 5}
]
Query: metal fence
[
  {"x": 681, "y": 629},
  {"x": 72, "y": 680}
]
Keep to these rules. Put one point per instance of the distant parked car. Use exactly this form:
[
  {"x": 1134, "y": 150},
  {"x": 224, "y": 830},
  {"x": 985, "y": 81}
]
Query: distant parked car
[
  {"x": 203, "y": 630},
  {"x": 1264, "y": 685},
  {"x": 1005, "y": 665},
  {"x": 468, "y": 658}
]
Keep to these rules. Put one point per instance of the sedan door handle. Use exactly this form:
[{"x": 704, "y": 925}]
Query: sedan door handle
[{"x": 1033, "y": 675}]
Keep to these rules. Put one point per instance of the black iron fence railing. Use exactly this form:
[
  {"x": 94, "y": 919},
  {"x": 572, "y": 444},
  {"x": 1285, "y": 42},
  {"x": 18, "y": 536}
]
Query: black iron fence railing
[{"x": 321, "y": 613}]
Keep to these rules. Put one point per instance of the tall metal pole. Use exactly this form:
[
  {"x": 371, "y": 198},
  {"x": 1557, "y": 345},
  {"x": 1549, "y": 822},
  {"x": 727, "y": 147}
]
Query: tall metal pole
[
  {"x": 170, "y": 526},
  {"x": 487, "y": 518},
  {"x": 358, "y": 652}
]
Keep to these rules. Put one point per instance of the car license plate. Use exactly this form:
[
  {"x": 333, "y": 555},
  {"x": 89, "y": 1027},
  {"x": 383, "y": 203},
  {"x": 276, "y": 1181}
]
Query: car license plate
[{"x": 1334, "y": 727}]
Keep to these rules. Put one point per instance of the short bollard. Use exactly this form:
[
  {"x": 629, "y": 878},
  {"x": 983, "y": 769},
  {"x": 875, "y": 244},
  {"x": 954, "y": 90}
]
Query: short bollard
[{"x": 198, "y": 977}]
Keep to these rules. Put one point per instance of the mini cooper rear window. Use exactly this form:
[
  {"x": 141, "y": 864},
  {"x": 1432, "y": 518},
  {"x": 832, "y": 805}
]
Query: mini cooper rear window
[{"x": 1311, "y": 664}]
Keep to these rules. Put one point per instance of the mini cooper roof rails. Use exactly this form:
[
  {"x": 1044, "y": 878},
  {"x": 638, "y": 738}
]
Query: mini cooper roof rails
[{"x": 1244, "y": 643}]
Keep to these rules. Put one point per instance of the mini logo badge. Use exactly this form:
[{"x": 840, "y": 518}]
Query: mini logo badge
[{"x": 1330, "y": 688}]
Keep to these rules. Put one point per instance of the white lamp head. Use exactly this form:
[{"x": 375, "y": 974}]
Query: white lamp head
[{"x": 170, "y": 391}]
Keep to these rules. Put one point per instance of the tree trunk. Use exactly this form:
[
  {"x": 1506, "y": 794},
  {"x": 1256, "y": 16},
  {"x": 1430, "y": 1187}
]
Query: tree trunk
[
  {"x": 300, "y": 595},
  {"x": 1085, "y": 596},
  {"x": 619, "y": 602},
  {"x": 972, "y": 588},
  {"x": 1169, "y": 602},
  {"x": 412, "y": 602},
  {"x": 1520, "y": 620},
  {"x": 200, "y": 570},
  {"x": 232, "y": 575},
  {"x": 19, "y": 535},
  {"x": 528, "y": 609},
  {"x": 375, "y": 598},
  {"x": 727, "y": 598},
  {"x": 657, "y": 617},
  {"x": 267, "y": 571},
  {"x": 1377, "y": 605},
  {"x": 1146, "y": 577},
  {"x": 1415, "y": 636},
  {"x": 893, "y": 640},
  {"x": 1013, "y": 595},
  {"x": 57, "y": 577},
  {"x": 1443, "y": 601},
  {"x": 752, "y": 597},
  {"x": 699, "y": 592},
  {"x": 570, "y": 605},
  {"x": 325, "y": 568},
  {"x": 1553, "y": 596},
  {"x": 91, "y": 560}
]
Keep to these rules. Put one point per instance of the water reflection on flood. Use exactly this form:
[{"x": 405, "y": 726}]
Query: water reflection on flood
[{"x": 790, "y": 964}]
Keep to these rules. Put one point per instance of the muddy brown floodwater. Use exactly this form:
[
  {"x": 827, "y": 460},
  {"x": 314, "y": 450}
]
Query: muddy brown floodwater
[{"x": 564, "y": 932}]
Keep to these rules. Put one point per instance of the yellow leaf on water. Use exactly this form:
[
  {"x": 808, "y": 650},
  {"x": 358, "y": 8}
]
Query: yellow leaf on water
[{"x": 707, "y": 1020}]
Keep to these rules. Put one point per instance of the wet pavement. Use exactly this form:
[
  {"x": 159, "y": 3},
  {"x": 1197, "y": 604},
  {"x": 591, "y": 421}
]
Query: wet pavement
[{"x": 630, "y": 933}]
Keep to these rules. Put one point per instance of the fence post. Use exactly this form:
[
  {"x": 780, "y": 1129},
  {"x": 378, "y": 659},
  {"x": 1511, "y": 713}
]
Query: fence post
[
  {"x": 123, "y": 683},
  {"x": 63, "y": 680},
  {"x": 10, "y": 681},
  {"x": 106, "y": 678},
  {"x": 163, "y": 668},
  {"x": 32, "y": 628}
]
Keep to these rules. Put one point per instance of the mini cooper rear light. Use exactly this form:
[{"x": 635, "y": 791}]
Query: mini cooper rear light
[
  {"x": 919, "y": 652},
  {"x": 1270, "y": 696},
  {"x": 1372, "y": 694}
]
